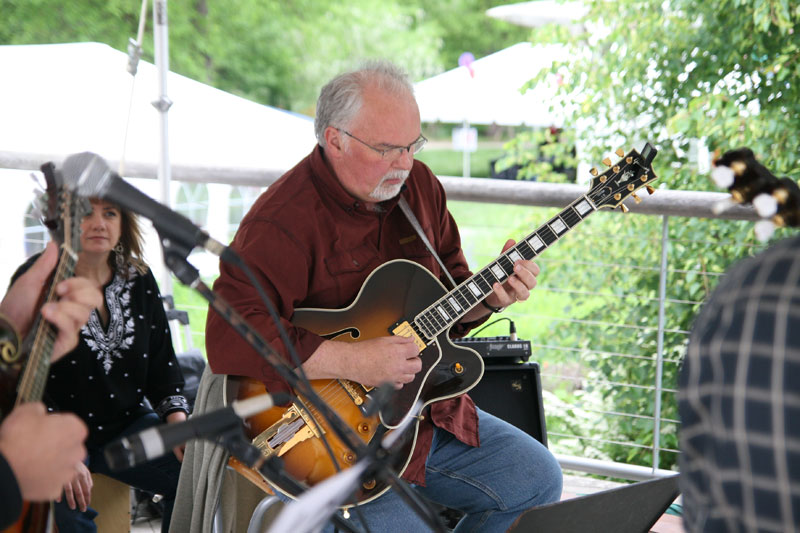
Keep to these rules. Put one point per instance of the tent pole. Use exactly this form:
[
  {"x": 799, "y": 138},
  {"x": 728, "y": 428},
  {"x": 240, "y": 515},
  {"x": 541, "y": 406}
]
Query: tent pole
[
  {"x": 161, "y": 52},
  {"x": 465, "y": 155},
  {"x": 162, "y": 104}
]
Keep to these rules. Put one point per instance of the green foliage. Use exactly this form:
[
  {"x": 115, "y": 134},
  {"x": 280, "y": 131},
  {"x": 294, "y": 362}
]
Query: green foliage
[
  {"x": 680, "y": 73},
  {"x": 273, "y": 52}
]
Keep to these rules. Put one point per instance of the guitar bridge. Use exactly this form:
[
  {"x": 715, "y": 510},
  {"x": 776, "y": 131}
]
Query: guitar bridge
[{"x": 293, "y": 428}]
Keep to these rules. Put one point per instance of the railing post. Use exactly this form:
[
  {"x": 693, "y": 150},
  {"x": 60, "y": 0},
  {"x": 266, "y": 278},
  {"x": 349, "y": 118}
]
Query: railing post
[{"x": 662, "y": 298}]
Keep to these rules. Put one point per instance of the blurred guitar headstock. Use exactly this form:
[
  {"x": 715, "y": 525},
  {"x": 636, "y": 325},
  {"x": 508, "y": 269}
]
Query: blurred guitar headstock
[{"x": 776, "y": 200}]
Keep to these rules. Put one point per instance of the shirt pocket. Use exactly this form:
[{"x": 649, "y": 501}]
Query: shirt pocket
[{"x": 415, "y": 250}]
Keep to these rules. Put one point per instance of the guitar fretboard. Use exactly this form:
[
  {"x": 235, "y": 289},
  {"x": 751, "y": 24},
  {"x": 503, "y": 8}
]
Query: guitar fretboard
[
  {"x": 34, "y": 378},
  {"x": 454, "y": 305}
]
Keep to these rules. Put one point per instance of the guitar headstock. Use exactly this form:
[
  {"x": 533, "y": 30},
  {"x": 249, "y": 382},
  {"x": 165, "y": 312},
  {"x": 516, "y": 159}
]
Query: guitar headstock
[
  {"x": 776, "y": 200},
  {"x": 623, "y": 179},
  {"x": 62, "y": 209}
]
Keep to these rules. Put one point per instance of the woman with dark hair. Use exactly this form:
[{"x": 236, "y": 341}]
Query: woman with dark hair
[{"x": 124, "y": 357}]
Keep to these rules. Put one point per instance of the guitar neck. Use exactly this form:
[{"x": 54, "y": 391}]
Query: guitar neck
[
  {"x": 449, "y": 309},
  {"x": 34, "y": 378}
]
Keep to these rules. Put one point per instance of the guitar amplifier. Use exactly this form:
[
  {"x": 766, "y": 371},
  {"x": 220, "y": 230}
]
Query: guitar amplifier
[
  {"x": 514, "y": 394},
  {"x": 498, "y": 350}
]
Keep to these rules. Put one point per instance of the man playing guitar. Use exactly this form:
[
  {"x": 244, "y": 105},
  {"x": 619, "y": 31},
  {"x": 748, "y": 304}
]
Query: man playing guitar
[{"x": 316, "y": 235}]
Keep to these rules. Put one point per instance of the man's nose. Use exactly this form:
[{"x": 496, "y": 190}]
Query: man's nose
[{"x": 406, "y": 159}]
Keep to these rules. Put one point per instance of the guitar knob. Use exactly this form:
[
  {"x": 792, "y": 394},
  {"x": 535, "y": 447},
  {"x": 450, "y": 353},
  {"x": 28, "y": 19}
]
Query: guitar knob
[
  {"x": 593, "y": 171},
  {"x": 615, "y": 169},
  {"x": 638, "y": 200},
  {"x": 620, "y": 152},
  {"x": 603, "y": 179},
  {"x": 624, "y": 208},
  {"x": 458, "y": 368},
  {"x": 650, "y": 190},
  {"x": 618, "y": 196},
  {"x": 607, "y": 162}
]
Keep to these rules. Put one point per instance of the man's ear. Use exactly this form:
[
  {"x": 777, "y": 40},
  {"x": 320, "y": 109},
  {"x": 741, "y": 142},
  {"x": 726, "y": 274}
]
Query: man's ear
[{"x": 333, "y": 140}]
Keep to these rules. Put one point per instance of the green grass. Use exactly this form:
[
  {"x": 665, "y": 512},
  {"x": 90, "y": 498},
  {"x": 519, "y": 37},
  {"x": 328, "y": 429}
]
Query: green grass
[{"x": 449, "y": 162}]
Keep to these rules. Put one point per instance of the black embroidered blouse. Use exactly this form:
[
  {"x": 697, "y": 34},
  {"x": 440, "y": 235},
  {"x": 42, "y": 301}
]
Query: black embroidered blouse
[{"x": 107, "y": 377}]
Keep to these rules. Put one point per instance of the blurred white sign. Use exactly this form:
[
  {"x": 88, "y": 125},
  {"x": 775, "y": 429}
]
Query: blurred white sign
[{"x": 465, "y": 139}]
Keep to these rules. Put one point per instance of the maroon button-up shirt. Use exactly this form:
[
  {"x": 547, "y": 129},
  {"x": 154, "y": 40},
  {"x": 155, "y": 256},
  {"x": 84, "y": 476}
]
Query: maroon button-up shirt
[{"x": 312, "y": 245}]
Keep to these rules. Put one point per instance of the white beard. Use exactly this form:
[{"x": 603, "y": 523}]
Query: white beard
[{"x": 382, "y": 191}]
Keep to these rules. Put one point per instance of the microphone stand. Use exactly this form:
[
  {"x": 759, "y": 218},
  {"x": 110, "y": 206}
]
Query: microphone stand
[{"x": 175, "y": 256}]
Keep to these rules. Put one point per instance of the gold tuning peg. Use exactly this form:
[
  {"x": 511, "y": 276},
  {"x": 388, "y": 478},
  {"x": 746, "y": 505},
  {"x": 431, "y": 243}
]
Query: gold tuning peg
[
  {"x": 624, "y": 208},
  {"x": 650, "y": 190},
  {"x": 593, "y": 171},
  {"x": 607, "y": 162},
  {"x": 638, "y": 200},
  {"x": 620, "y": 152}
]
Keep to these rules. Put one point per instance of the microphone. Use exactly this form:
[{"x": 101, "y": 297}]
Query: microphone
[
  {"x": 158, "y": 440},
  {"x": 92, "y": 177}
]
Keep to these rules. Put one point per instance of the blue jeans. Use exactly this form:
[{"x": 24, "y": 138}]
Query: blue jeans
[
  {"x": 509, "y": 473},
  {"x": 159, "y": 476}
]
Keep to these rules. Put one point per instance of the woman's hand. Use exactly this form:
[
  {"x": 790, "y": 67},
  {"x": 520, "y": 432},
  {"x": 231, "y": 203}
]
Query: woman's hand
[
  {"x": 78, "y": 492},
  {"x": 174, "y": 418}
]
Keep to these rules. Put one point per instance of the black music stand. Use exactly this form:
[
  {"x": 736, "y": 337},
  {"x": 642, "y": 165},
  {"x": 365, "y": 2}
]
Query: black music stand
[{"x": 633, "y": 508}]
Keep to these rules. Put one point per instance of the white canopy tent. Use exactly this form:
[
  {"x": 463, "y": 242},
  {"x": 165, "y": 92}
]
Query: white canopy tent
[
  {"x": 540, "y": 12},
  {"x": 491, "y": 95},
  {"x": 67, "y": 98},
  {"x": 60, "y": 99}
]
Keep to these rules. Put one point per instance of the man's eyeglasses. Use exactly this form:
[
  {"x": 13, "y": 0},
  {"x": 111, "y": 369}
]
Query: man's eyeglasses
[{"x": 393, "y": 152}]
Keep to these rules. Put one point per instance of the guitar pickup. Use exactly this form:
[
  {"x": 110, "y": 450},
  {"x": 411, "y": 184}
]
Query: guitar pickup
[{"x": 404, "y": 329}]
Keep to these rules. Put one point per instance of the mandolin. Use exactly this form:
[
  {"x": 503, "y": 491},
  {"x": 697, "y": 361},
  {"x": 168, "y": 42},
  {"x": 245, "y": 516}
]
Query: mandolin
[
  {"x": 23, "y": 374},
  {"x": 401, "y": 297}
]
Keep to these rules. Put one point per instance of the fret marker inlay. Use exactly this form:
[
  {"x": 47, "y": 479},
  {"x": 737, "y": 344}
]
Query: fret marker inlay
[
  {"x": 536, "y": 243},
  {"x": 498, "y": 272},
  {"x": 558, "y": 226},
  {"x": 454, "y": 304}
]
